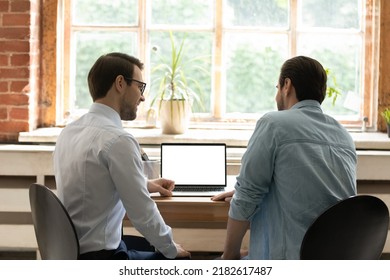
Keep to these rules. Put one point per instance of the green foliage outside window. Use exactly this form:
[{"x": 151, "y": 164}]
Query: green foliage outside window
[
  {"x": 251, "y": 80},
  {"x": 250, "y": 70}
]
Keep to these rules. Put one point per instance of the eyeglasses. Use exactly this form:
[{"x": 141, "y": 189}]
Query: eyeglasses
[{"x": 141, "y": 85}]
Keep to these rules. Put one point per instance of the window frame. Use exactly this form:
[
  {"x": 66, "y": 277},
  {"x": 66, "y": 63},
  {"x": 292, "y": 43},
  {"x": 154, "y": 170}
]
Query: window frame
[{"x": 370, "y": 61}]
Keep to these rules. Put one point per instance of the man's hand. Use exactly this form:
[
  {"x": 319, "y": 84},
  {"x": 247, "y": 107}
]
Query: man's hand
[
  {"x": 227, "y": 196},
  {"x": 161, "y": 185},
  {"x": 181, "y": 252}
]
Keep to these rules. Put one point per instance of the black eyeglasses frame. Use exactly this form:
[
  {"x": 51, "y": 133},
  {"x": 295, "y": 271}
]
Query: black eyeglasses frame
[{"x": 141, "y": 86}]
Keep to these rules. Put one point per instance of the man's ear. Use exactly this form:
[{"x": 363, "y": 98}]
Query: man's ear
[
  {"x": 120, "y": 82},
  {"x": 287, "y": 86}
]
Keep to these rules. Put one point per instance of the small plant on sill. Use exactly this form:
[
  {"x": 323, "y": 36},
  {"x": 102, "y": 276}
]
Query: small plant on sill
[
  {"x": 332, "y": 89},
  {"x": 386, "y": 115}
]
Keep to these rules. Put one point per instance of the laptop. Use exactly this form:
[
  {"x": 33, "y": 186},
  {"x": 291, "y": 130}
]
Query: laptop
[{"x": 198, "y": 169}]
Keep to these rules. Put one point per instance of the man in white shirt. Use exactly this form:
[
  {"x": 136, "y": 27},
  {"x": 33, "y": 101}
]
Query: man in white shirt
[{"x": 99, "y": 172}]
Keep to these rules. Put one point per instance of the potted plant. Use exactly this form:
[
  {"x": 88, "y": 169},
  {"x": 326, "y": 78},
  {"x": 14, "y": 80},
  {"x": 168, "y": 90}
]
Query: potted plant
[
  {"x": 386, "y": 115},
  {"x": 332, "y": 89},
  {"x": 176, "y": 91}
]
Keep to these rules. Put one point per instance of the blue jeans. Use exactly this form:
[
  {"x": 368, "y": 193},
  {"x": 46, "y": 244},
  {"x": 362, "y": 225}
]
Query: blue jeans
[{"x": 122, "y": 253}]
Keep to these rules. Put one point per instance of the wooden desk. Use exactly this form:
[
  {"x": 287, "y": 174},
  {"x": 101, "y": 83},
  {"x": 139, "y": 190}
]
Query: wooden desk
[
  {"x": 193, "y": 212},
  {"x": 198, "y": 223}
]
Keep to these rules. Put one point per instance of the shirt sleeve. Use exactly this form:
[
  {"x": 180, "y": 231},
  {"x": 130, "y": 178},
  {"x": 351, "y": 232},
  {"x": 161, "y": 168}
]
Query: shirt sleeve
[
  {"x": 256, "y": 172},
  {"x": 126, "y": 170}
]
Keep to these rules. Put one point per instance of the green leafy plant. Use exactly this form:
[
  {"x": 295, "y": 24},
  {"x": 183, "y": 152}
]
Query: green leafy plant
[
  {"x": 173, "y": 78},
  {"x": 386, "y": 115},
  {"x": 332, "y": 89}
]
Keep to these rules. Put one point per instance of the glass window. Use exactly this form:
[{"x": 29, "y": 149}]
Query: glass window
[
  {"x": 179, "y": 12},
  {"x": 252, "y": 70},
  {"x": 103, "y": 12},
  {"x": 233, "y": 49},
  {"x": 342, "y": 14},
  {"x": 260, "y": 14}
]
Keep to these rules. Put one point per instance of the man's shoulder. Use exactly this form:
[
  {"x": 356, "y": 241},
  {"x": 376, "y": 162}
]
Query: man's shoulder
[
  {"x": 279, "y": 117},
  {"x": 98, "y": 128}
]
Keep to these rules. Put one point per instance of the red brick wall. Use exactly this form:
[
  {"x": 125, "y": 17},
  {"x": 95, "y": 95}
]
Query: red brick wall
[{"x": 19, "y": 67}]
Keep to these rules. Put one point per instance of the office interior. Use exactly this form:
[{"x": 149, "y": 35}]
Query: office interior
[{"x": 28, "y": 131}]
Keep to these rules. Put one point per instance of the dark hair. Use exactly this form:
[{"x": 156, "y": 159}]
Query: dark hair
[
  {"x": 105, "y": 70},
  {"x": 307, "y": 76}
]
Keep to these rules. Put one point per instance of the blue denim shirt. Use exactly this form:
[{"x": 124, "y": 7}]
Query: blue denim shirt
[{"x": 298, "y": 163}]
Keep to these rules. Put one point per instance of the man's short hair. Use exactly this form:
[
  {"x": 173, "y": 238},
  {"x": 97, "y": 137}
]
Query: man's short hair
[
  {"x": 105, "y": 70},
  {"x": 307, "y": 76}
]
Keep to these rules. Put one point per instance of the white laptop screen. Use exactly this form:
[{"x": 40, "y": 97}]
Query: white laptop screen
[{"x": 194, "y": 164}]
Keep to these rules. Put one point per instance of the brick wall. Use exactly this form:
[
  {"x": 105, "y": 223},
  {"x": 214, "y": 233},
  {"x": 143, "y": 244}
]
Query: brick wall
[{"x": 19, "y": 67}]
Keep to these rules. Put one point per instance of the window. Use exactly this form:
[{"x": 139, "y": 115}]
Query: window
[{"x": 244, "y": 43}]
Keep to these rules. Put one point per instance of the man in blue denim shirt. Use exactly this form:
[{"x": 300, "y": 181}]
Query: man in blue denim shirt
[{"x": 298, "y": 163}]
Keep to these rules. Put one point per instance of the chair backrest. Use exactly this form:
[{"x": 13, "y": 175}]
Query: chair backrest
[
  {"x": 353, "y": 229},
  {"x": 54, "y": 230}
]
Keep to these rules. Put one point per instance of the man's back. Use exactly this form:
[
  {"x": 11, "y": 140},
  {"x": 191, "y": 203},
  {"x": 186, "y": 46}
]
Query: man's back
[
  {"x": 298, "y": 163},
  {"x": 84, "y": 180}
]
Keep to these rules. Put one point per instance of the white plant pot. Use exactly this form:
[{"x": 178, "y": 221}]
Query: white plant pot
[{"x": 174, "y": 116}]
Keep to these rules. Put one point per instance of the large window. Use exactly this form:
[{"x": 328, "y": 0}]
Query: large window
[{"x": 242, "y": 44}]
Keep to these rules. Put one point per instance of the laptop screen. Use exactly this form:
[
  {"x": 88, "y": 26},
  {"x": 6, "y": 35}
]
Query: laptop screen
[{"x": 194, "y": 164}]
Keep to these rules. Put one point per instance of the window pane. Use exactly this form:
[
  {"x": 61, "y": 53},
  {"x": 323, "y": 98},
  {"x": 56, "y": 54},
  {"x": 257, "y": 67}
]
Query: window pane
[
  {"x": 264, "y": 13},
  {"x": 341, "y": 54},
  {"x": 253, "y": 65},
  {"x": 182, "y": 12},
  {"x": 196, "y": 63},
  {"x": 257, "y": 37},
  {"x": 335, "y": 13},
  {"x": 102, "y": 12},
  {"x": 89, "y": 46}
]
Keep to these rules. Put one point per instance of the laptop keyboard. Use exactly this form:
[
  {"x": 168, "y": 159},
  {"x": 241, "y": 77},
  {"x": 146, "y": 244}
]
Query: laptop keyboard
[{"x": 198, "y": 189}]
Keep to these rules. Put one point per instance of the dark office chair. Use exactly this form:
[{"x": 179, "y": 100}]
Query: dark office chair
[
  {"x": 54, "y": 230},
  {"x": 353, "y": 229}
]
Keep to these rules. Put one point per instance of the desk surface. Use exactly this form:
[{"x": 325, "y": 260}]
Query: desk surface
[
  {"x": 198, "y": 223},
  {"x": 193, "y": 212}
]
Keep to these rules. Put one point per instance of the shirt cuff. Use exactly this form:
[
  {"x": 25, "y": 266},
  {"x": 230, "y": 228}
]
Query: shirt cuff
[
  {"x": 169, "y": 252},
  {"x": 239, "y": 212}
]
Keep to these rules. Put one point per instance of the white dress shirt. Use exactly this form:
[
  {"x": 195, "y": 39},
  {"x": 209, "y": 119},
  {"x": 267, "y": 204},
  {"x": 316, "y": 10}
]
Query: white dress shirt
[{"x": 99, "y": 177}]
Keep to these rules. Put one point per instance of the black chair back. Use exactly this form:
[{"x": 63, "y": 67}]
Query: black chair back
[
  {"x": 353, "y": 229},
  {"x": 54, "y": 230}
]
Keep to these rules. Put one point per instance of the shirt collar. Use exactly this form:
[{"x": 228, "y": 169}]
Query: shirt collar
[
  {"x": 108, "y": 112},
  {"x": 307, "y": 103}
]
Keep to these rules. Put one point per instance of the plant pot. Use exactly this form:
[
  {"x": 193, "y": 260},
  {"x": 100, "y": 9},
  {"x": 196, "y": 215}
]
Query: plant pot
[
  {"x": 174, "y": 116},
  {"x": 388, "y": 130}
]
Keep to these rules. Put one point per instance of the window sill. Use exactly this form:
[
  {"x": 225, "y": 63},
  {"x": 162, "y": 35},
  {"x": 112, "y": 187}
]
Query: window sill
[{"x": 232, "y": 137}]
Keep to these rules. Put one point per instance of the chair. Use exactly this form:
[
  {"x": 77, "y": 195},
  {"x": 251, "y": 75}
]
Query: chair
[
  {"x": 353, "y": 229},
  {"x": 54, "y": 230}
]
